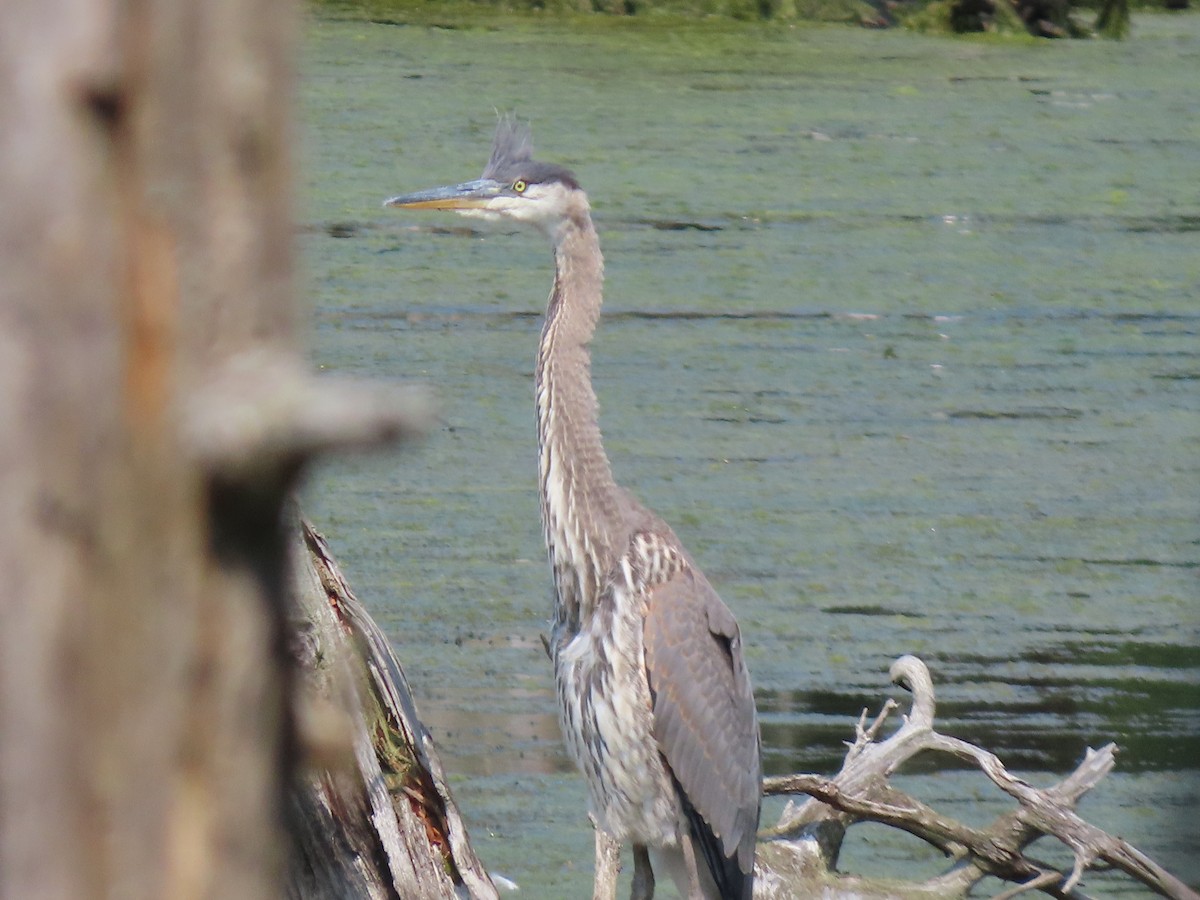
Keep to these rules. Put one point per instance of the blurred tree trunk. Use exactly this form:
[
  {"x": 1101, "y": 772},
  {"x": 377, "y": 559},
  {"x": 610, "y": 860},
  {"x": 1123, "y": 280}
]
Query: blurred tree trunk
[{"x": 145, "y": 241}]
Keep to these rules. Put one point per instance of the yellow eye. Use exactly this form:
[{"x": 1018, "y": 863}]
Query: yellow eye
[{"x": 519, "y": 185}]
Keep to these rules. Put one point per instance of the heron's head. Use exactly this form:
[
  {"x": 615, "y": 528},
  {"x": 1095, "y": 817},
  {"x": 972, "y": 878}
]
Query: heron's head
[{"x": 514, "y": 187}]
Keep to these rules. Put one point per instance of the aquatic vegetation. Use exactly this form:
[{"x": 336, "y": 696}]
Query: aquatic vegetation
[{"x": 1040, "y": 18}]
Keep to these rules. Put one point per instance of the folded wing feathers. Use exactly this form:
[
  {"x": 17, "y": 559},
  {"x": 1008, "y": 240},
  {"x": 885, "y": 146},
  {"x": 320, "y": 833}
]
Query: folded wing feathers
[{"x": 704, "y": 709}]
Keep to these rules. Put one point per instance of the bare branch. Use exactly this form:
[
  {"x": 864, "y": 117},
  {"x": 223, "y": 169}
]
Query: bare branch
[
  {"x": 864, "y": 734},
  {"x": 860, "y": 792},
  {"x": 1033, "y": 884}
]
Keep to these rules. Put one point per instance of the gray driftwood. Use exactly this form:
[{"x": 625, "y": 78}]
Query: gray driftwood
[{"x": 798, "y": 856}]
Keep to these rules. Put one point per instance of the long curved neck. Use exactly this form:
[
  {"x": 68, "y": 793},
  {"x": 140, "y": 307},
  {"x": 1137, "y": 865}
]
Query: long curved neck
[{"x": 580, "y": 501}]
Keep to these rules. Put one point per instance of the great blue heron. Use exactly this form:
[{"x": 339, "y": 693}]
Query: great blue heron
[{"x": 654, "y": 697}]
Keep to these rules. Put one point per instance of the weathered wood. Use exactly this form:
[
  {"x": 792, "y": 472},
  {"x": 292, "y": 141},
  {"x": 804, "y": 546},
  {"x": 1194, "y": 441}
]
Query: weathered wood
[
  {"x": 381, "y": 822},
  {"x": 800, "y": 852}
]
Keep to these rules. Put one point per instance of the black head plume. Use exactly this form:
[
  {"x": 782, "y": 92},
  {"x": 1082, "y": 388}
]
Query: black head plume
[{"x": 512, "y": 157}]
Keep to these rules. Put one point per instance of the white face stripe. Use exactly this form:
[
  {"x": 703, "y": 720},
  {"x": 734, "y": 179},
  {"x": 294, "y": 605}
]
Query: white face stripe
[{"x": 543, "y": 206}]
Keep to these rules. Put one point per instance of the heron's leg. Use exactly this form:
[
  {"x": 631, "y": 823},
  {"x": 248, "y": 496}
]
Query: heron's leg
[
  {"x": 643, "y": 874},
  {"x": 608, "y": 864},
  {"x": 693, "y": 874}
]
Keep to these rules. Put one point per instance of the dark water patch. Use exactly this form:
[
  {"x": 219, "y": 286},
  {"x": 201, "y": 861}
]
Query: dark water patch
[
  {"x": 867, "y": 610},
  {"x": 807, "y": 730},
  {"x": 339, "y": 228},
  {"x": 357, "y": 228},
  {"x": 816, "y": 701},
  {"x": 1120, "y": 317},
  {"x": 1051, "y": 736},
  {"x": 1185, "y": 223},
  {"x": 1162, "y": 225},
  {"x": 1177, "y": 376},
  {"x": 1075, "y": 689},
  {"x": 1094, "y": 561},
  {"x": 1036, "y": 748},
  {"x": 964, "y": 79},
  {"x": 487, "y": 316},
  {"x": 752, "y": 573},
  {"x": 1049, "y": 365},
  {"x": 1146, "y": 699},
  {"x": 1081, "y": 443},
  {"x": 435, "y": 317},
  {"x": 1078, "y": 633},
  {"x": 1147, "y": 743},
  {"x": 803, "y": 747},
  {"x": 1135, "y": 698},
  {"x": 757, "y": 393},
  {"x": 686, "y": 315},
  {"x": 1045, "y": 412},
  {"x": 721, "y": 87},
  {"x": 461, "y": 231},
  {"x": 1122, "y": 653},
  {"x": 746, "y": 420},
  {"x": 1051, "y": 754},
  {"x": 678, "y": 225},
  {"x": 1129, "y": 353},
  {"x": 1128, "y": 316},
  {"x": 436, "y": 23},
  {"x": 666, "y": 316},
  {"x": 1147, "y": 141},
  {"x": 430, "y": 319}
]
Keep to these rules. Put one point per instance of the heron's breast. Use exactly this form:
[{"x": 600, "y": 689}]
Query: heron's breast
[{"x": 607, "y": 719}]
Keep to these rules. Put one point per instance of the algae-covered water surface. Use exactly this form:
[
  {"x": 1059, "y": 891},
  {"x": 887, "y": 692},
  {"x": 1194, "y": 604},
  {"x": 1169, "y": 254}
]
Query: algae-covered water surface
[{"x": 900, "y": 335}]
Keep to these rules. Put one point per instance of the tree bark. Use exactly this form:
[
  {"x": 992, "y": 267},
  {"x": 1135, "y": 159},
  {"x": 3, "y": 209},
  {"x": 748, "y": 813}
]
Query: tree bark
[
  {"x": 145, "y": 241},
  {"x": 154, "y": 414},
  {"x": 374, "y": 814}
]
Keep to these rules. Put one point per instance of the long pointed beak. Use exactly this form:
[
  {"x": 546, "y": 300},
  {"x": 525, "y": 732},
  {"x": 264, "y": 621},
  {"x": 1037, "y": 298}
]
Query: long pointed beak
[{"x": 468, "y": 195}]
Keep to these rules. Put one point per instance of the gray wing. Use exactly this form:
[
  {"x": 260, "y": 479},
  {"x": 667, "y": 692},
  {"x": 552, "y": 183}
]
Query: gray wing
[{"x": 705, "y": 722}]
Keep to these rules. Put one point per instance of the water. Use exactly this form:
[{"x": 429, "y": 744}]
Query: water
[{"x": 900, "y": 336}]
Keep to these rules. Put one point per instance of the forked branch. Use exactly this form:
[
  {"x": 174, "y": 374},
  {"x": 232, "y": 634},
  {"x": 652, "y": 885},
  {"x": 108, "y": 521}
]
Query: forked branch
[{"x": 860, "y": 792}]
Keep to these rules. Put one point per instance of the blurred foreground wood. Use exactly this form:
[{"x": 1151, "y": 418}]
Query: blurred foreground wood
[
  {"x": 145, "y": 241},
  {"x": 155, "y": 411}
]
